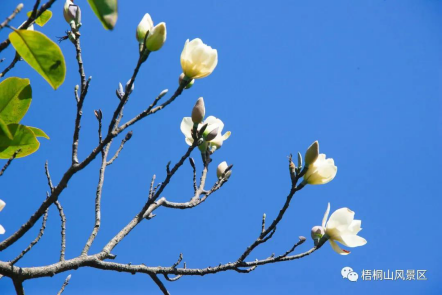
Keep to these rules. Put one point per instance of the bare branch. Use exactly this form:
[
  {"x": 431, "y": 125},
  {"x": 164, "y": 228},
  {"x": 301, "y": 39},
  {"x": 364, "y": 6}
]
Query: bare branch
[
  {"x": 66, "y": 282},
  {"x": 18, "y": 285},
  {"x": 159, "y": 284},
  {"x": 35, "y": 241},
  {"x": 11, "y": 17},
  {"x": 9, "y": 162},
  {"x": 63, "y": 230},
  {"x": 48, "y": 176},
  {"x": 125, "y": 139},
  {"x": 16, "y": 59}
]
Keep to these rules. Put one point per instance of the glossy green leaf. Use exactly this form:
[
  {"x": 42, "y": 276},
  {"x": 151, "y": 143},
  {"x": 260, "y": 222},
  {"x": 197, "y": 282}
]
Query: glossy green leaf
[
  {"x": 15, "y": 98},
  {"x": 42, "y": 54},
  {"x": 23, "y": 140},
  {"x": 106, "y": 11},
  {"x": 43, "y": 18},
  {"x": 38, "y": 132},
  {"x": 5, "y": 130}
]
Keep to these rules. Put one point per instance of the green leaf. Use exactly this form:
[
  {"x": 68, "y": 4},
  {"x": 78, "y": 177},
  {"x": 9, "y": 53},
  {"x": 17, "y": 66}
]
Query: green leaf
[
  {"x": 15, "y": 98},
  {"x": 38, "y": 132},
  {"x": 23, "y": 140},
  {"x": 106, "y": 11},
  {"x": 43, "y": 18},
  {"x": 42, "y": 54},
  {"x": 4, "y": 129}
]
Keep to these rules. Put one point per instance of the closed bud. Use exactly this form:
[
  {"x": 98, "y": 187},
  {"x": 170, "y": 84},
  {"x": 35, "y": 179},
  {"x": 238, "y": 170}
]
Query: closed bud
[
  {"x": 144, "y": 27},
  {"x": 210, "y": 133},
  {"x": 317, "y": 233},
  {"x": 198, "y": 111},
  {"x": 72, "y": 13},
  {"x": 311, "y": 154},
  {"x": 156, "y": 38},
  {"x": 131, "y": 88},
  {"x": 221, "y": 169}
]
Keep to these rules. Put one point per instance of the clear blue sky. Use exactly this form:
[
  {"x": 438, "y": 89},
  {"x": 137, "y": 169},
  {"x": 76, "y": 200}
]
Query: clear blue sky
[{"x": 362, "y": 77}]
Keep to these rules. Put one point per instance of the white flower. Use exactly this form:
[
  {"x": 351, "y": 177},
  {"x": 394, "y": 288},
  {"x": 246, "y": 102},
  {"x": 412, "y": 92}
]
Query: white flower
[
  {"x": 197, "y": 59},
  {"x": 2, "y": 205},
  {"x": 321, "y": 171},
  {"x": 343, "y": 228},
  {"x": 221, "y": 168},
  {"x": 145, "y": 25},
  {"x": 213, "y": 123}
]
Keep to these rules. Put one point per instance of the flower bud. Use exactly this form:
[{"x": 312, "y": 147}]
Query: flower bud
[
  {"x": 180, "y": 80},
  {"x": 317, "y": 233},
  {"x": 211, "y": 133},
  {"x": 145, "y": 25},
  {"x": 221, "y": 169},
  {"x": 311, "y": 154},
  {"x": 72, "y": 13},
  {"x": 156, "y": 37},
  {"x": 198, "y": 111}
]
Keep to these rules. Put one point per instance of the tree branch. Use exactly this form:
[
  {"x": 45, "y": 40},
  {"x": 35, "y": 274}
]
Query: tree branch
[
  {"x": 63, "y": 230},
  {"x": 11, "y": 65},
  {"x": 11, "y": 17},
  {"x": 66, "y": 282},
  {"x": 159, "y": 284},
  {"x": 9, "y": 162}
]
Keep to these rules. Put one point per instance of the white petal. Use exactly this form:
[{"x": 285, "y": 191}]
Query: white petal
[
  {"x": 355, "y": 227},
  {"x": 2, "y": 230},
  {"x": 338, "y": 249},
  {"x": 343, "y": 216},
  {"x": 2, "y": 205},
  {"x": 353, "y": 240},
  {"x": 226, "y": 135},
  {"x": 187, "y": 126},
  {"x": 324, "y": 220}
]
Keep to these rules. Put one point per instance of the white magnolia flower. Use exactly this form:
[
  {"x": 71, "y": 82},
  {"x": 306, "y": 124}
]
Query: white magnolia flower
[
  {"x": 343, "y": 228},
  {"x": 2, "y": 205},
  {"x": 157, "y": 37},
  {"x": 320, "y": 171},
  {"x": 197, "y": 59},
  {"x": 213, "y": 123}
]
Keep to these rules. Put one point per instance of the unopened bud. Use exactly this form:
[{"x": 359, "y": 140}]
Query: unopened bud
[
  {"x": 98, "y": 114},
  {"x": 128, "y": 135},
  {"x": 311, "y": 154},
  {"x": 221, "y": 169},
  {"x": 127, "y": 85},
  {"x": 183, "y": 77},
  {"x": 317, "y": 233},
  {"x": 144, "y": 27},
  {"x": 198, "y": 111},
  {"x": 210, "y": 133},
  {"x": 156, "y": 38},
  {"x": 72, "y": 13}
]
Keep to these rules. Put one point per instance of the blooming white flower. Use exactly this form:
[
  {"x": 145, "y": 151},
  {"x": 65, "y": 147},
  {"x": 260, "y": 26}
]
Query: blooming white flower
[
  {"x": 343, "y": 228},
  {"x": 2, "y": 205},
  {"x": 221, "y": 169},
  {"x": 213, "y": 123},
  {"x": 197, "y": 59},
  {"x": 320, "y": 171}
]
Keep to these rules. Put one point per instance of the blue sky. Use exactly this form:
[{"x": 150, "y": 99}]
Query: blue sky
[{"x": 362, "y": 77}]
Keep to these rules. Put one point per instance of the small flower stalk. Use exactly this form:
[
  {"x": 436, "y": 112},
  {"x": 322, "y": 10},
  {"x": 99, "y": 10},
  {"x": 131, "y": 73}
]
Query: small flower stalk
[
  {"x": 150, "y": 37},
  {"x": 319, "y": 169},
  {"x": 198, "y": 60},
  {"x": 341, "y": 227}
]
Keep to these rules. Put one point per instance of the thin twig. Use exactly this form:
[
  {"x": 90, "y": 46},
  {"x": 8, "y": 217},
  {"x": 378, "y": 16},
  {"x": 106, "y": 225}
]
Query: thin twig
[
  {"x": 125, "y": 139},
  {"x": 66, "y": 282},
  {"x": 35, "y": 241},
  {"x": 63, "y": 230},
  {"x": 16, "y": 59},
  {"x": 48, "y": 176},
  {"x": 11, "y": 17},
  {"x": 159, "y": 284},
  {"x": 9, "y": 161}
]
